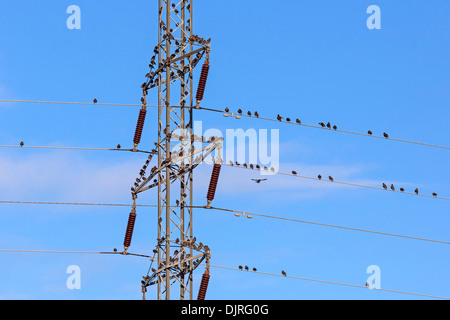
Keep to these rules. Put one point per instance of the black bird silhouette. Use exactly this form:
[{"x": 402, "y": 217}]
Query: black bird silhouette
[
  {"x": 329, "y": 125},
  {"x": 385, "y": 135},
  {"x": 392, "y": 187},
  {"x": 320, "y": 177},
  {"x": 246, "y": 268},
  {"x": 331, "y": 178},
  {"x": 240, "y": 111},
  {"x": 258, "y": 180},
  {"x": 21, "y": 143},
  {"x": 288, "y": 119},
  {"x": 369, "y": 132},
  {"x": 240, "y": 267},
  {"x": 95, "y": 100},
  {"x": 293, "y": 172},
  {"x": 402, "y": 190},
  {"x": 254, "y": 269},
  {"x": 249, "y": 113},
  {"x": 283, "y": 273},
  {"x": 322, "y": 124},
  {"x": 416, "y": 191},
  {"x": 256, "y": 114},
  {"x": 335, "y": 127},
  {"x": 384, "y": 186},
  {"x": 298, "y": 121},
  {"x": 279, "y": 118},
  {"x": 227, "y": 109},
  {"x": 118, "y": 146},
  {"x": 434, "y": 194}
]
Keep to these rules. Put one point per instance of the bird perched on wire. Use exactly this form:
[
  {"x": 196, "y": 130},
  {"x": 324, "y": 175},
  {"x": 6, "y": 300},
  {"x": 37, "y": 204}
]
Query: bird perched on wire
[
  {"x": 322, "y": 124},
  {"x": 258, "y": 180},
  {"x": 249, "y": 113},
  {"x": 256, "y": 114},
  {"x": 329, "y": 125},
  {"x": 21, "y": 143},
  {"x": 335, "y": 127},
  {"x": 319, "y": 177},
  {"x": 279, "y": 118},
  {"x": 240, "y": 267},
  {"x": 294, "y": 172},
  {"x": 95, "y": 100},
  {"x": 385, "y": 135},
  {"x": 239, "y": 111},
  {"x": 283, "y": 273},
  {"x": 118, "y": 146},
  {"x": 298, "y": 121},
  {"x": 416, "y": 191},
  {"x": 392, "y": 187},
  {"x": 288, "y": 119},
  {"x": 227, "y": 109},
  {"x": 246, "y": 268},
  {"x": 402, "y": 190},
  {"x": 384, "y": 186},
  {"x": 434, "y": 194},
  {"x": 331, "y": 178},
  {"x": 254, "y": 269},
  {"x": 369, "y": 133}
]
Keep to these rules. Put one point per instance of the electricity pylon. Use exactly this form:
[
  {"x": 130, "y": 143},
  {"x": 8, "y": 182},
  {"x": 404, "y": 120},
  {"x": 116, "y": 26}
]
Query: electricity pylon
[{"x": 171, "y": 73}]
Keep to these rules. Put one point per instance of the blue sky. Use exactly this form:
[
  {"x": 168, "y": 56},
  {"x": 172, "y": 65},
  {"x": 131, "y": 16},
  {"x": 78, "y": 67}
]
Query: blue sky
[{"x": 315, "y": 60}]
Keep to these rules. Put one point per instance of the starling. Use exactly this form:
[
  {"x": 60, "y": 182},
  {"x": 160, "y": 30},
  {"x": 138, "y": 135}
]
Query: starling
[
  {"x": 240, "y": 111},
  {"x": 322, "y": 124},
  {"x": 21, "y": 143},
  {"x": 434, "y": 194},
  {"x": 246, "y": 268},
  {"x": 283, "y": 273},
  {"x": 385, "y": 135},
  {"x": 115, "y": 249},
  {"x": 279, "y": 118},
  {"x": 257, "y": 166},
  {"x": 367, "y": 284},
  {"x": 331, "y": 178},
  {"x": 227, "y": 110},
  {"x": 416, "y": 191},
  {"x": 118, "y": 146},
  {"x": 258, "y": 180},
  {"x": 384, "y": 186},
  {"x": 335, "y": 127},
  {"x": 256, "y": 114},
  {"x": 402, "y": 190},
  {"x": 254, "y": 269},
  {"x": 294, "y": 172},
  {"x": 237, "y": 163},
  {"x": 369, "y": 133},
  {"x": 95, "y": 100},
  {"x": 288, "y": 119},
  {"x": 251, "y": 166},
  {"x": 320, "y": 177},
  {"x": 240, "y": 267},
  {"x": 392, "y": 187},
  {"x": 249, "y": 113},
  {"x": 328, "y": 125},
  {"x": 298, "y": 121}
]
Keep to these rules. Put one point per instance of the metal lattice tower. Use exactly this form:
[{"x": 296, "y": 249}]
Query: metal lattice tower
[{"x": 171, "y": 74}]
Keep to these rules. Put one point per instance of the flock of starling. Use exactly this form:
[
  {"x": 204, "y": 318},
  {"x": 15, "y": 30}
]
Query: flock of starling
[
  {"x": 416, "y": 191},
  {"x": 246, "y": 268}
]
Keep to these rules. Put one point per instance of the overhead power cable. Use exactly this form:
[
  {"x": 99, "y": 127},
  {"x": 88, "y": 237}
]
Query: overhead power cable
[
  {"x": 323, "y": 179},
  {"x": 231, "y": 268},
  {"x": 74, "y": 148},
  {"x": 243, "y": 213},
  {"x": 238, "y": 116},
  {"x": 332, "y": 282}
]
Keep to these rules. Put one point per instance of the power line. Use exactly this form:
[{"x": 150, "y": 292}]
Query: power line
[
  {"x": 74, "y": 252},
  {"x": 332, "y": 282},
  {"x": 330, "y": 225},
  {"x": 244, "y": 213},
  {"x": 238, "y": 116},
  {"x": 228, "y": 268},
  {"x": 75, "y": 148},
  {"x": 338, "y": 182}
]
